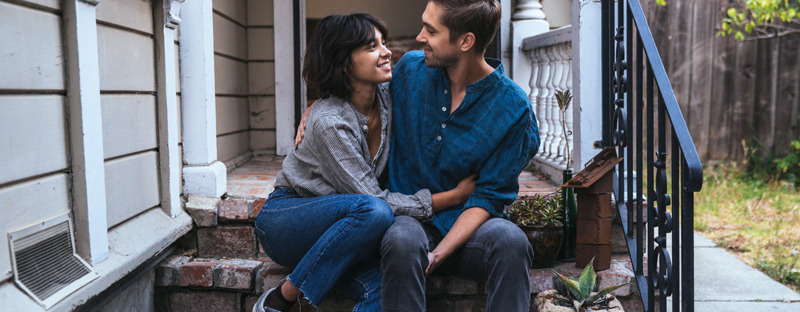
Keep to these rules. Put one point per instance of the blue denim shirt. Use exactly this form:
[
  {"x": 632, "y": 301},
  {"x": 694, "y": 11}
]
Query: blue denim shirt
[{"x": 493, "y": 133}]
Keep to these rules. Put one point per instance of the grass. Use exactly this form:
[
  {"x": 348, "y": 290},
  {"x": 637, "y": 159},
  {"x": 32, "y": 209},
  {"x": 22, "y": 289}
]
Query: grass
[{"x": 757, "y": 221}]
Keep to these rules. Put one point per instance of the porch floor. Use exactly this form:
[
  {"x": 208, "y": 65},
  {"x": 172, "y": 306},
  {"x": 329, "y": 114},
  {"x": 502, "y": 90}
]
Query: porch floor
[{"x": 256, "y": 179}]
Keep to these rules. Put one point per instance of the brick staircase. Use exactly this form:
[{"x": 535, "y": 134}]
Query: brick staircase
[{"x": 221, "y": 267}]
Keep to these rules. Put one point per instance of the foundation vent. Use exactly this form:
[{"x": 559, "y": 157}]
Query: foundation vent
[{"x": 45, "y": 263}]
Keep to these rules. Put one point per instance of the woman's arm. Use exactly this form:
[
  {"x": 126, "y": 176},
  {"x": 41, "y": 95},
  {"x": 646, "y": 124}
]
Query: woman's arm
[{"x": 456, "y": 196}]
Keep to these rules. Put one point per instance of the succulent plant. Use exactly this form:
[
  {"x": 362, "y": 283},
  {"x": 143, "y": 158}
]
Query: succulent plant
[
  {"x": 580, "y": 291},
  {"x": 536, "y": 210}
]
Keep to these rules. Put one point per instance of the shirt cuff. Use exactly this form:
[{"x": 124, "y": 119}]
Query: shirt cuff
[{"x": 474, "y": 201}]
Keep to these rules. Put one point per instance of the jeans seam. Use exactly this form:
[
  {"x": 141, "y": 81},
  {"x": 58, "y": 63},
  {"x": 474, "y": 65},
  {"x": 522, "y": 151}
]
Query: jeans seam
[
  {"x": 265, "y": 244},
  {"x": 321, "y": 253}
]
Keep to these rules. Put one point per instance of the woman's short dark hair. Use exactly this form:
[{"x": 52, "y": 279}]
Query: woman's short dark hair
[{"x": 327, "y": 65}]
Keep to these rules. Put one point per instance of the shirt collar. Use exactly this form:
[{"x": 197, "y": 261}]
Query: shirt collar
[{"x": 484, "y": 82}]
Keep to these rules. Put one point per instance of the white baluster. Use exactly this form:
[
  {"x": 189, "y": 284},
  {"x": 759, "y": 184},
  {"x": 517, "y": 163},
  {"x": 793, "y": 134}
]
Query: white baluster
[
  {"x": 541, "y": 99},
  {"x": 562, "y": 85},
  {"x": 528, "y": 9},
  {"x": 555, "y": 133},
  {"x": 572, "y": 106},
  {"x": 535, "y": 70}
]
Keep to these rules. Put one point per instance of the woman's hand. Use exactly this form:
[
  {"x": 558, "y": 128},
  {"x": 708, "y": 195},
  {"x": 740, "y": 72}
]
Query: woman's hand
[
  {"x": 465, "y": 187},
  {"x": 301, "y": 129},
  {"x": 456, "y": 196}
]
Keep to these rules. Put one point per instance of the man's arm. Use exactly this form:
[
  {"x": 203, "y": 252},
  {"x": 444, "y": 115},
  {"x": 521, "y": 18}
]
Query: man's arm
[{"x": 466, "y": 225}]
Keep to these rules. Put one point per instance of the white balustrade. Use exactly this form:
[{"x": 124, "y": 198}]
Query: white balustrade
[{"x": 550, "y": 55}]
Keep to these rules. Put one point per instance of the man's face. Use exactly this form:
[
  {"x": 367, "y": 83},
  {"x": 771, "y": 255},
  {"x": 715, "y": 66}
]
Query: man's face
[{"x": 439, "y": 51}]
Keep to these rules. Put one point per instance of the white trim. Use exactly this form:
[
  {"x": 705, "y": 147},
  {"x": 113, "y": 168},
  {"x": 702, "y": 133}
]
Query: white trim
[
  {"x": 586, "y": 67},
  {"x": 284, "y": 73},
  {"x": 203, "y": 174},
  {"x": 166, "y": 18},
  {"x": 86, "y": 131}
]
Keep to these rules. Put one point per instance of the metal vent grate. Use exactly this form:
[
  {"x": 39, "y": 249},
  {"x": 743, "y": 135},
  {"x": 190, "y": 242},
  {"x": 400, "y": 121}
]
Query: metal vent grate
[{"x": 45, "y": 263}]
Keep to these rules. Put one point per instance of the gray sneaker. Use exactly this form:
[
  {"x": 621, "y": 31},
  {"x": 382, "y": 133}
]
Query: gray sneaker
[{"x": 259, "y": 306}]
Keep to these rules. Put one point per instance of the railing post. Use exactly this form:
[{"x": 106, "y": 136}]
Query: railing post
[
  {"x": 586, "y": 16},
  {"x": 528, "y": 20}
]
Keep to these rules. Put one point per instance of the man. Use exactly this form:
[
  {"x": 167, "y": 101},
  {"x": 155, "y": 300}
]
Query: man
[{"x": 456, "y": 113}]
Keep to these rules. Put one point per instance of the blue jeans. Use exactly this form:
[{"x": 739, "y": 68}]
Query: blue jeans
[
  {"x": 330, "y": 241},
  {"x": 498, "y": 253}
]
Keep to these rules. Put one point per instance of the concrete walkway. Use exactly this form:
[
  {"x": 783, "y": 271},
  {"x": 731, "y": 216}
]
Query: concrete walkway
[{"x": 724, "y": 283}]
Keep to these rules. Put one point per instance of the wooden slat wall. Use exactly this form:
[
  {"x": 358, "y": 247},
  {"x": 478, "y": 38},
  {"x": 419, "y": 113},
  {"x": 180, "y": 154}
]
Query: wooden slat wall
[
  {"x": 261, "y": 75},
  {"x": 33, "y": 145},
  {"x": 126, "y": 52},
  {"x": 231, "y": 78},
  {"x": 729, "y": 91}
]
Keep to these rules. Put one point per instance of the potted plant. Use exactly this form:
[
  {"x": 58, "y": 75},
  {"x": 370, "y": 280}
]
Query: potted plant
[
  {"x": 538, "y": 217},
  {"x": 578, "y": 295},
  {"x": 567, "y": 253}
]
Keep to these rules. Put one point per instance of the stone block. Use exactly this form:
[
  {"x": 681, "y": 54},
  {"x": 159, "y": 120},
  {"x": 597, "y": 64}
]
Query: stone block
[
  {"x": 470, "y": 305},
  {"x": 199, "y": 301},
  {"x": 236, "y": 274},
  {"x": 198, "y": 273},
  {"x": 270, "y": 275},
  {"x": 233, "y": 210},
  {"x": 203, "y": 210},
  {"x": 596, "y": 231},
  {"x": 460, "y": 286},
  {"x": 617, "y": 274},
  {"x": 594, "y": 206},
  {"x": 226, "y": 241},
  {"x": 168, "y": 271},
  {"x": 334, "y": 305},
  {"x": 440, "y": 304},
  {"x": 600, "y": 253}
]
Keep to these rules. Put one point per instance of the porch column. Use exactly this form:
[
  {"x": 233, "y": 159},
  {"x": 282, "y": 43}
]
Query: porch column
[
  {"x": 587, "y": 96},
  {"x": 202, "y": 173},
  {"x": 167, "y": 19},
  {"x": 86, "y": 130},
  {"x": 528, "y": 20}
]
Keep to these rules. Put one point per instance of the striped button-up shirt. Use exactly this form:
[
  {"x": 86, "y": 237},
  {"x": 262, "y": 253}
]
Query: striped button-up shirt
[{"x": 334, "y": 157}]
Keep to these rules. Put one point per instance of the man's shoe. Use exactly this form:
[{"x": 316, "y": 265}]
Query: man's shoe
[{"x": 259, "y": 306}]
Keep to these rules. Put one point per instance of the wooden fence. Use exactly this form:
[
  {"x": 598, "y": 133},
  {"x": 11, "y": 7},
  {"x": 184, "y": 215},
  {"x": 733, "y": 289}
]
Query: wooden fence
[{"x": 729, "y": 91}]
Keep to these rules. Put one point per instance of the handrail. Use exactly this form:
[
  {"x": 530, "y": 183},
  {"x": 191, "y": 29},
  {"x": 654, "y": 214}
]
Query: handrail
[
  {"x": 694, "y": 167},
  {"x": 555, "y": 36}
]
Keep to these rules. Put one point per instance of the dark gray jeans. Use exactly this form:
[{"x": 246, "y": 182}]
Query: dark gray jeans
[{"x": 498, "y": 253}]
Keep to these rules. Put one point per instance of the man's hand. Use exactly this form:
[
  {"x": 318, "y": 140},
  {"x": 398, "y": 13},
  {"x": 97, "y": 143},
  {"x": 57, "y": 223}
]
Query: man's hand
[
  {"x": 301, "y": 129},
  {"x": 466, "y": 225}
]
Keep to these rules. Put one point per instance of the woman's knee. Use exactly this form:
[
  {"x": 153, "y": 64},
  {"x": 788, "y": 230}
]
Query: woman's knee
[{"x": 377, "y": 211}]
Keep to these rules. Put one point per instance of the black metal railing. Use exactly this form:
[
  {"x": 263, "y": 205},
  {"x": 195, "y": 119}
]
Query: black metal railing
[{"x": 673, "y": 170}]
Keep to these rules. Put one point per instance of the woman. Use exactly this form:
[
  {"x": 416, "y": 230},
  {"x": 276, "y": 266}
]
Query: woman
[{"x": 327, "y": 214}]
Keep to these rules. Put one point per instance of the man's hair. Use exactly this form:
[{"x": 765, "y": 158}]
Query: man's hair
[
  {"x": 327, "y": 65},
  {"x": 480, "y": 17}
]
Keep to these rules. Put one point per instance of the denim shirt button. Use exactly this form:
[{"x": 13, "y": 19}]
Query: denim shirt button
[
  {"x": 445, "y": 91},
  {"x": 439, "y": 138},
  {"x": 444, "y": 109},
  {"x": 444, "y": 126}
]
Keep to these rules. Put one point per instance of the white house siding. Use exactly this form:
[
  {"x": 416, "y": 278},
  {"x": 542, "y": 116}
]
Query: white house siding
[
  {"x": 230, "y": 77},
  {"x": 261, "y": 70},
  {"x": 33, "y": 130},
  {"x": 126, "y": 52}
]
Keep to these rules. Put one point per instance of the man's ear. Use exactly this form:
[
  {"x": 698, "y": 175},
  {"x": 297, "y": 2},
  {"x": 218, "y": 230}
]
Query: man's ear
[{"x": 467, "y": 41}]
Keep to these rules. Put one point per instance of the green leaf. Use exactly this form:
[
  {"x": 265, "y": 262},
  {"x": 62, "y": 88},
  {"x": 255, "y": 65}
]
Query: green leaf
[
  {"x": 661, "y": 2},
  {"x": 603, "y": 293},
  {"x": 587, "y": 280},
  {"x": 732, "y": 13},
  {"x": 748, "y": 28},
  {"x": 570, "y": 284},
  {"x": 739, "y": 36}
]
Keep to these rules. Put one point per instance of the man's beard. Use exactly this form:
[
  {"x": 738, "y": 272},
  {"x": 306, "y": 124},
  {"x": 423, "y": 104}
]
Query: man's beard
[{"x": 444, "y": 61}]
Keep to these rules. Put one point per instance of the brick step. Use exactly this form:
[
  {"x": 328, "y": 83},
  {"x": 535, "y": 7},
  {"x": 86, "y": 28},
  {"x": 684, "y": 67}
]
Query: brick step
[{"x": 233, "y": 284}]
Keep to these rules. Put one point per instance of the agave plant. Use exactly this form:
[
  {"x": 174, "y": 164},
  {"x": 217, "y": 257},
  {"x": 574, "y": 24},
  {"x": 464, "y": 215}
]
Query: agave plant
[{"x": 580, "y": 292}]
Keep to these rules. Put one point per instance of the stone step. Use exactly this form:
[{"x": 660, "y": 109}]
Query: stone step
[{"x": 233, "y": 284}]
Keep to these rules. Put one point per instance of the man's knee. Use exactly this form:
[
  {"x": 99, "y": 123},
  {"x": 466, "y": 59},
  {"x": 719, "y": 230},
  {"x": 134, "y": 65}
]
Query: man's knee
[
  {"x": 405, "y": 238},
  {"x": 510, "y": 240}
]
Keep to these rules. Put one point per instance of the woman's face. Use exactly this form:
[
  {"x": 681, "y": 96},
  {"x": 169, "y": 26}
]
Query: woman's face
[{"x": 371, "y": 63}]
